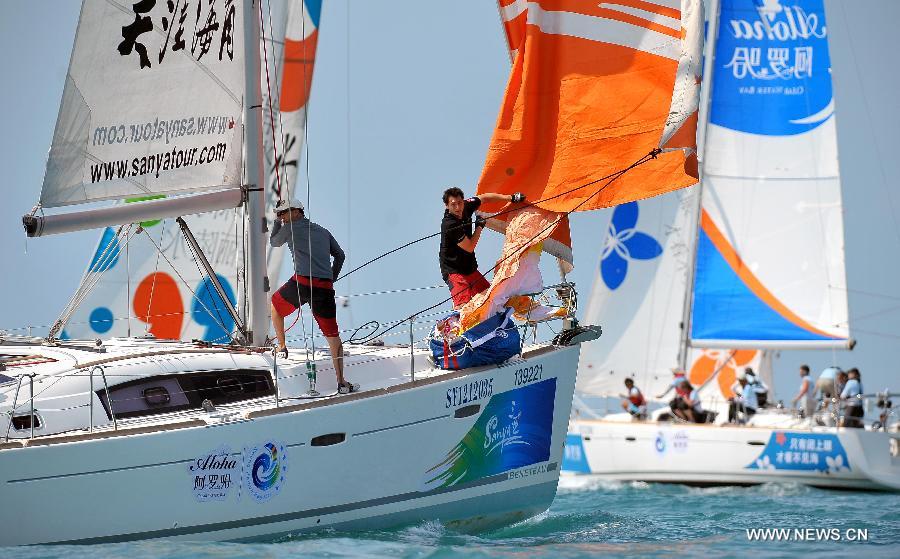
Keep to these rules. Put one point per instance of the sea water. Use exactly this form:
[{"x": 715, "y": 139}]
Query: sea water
[{"x": 591, "y": 518}]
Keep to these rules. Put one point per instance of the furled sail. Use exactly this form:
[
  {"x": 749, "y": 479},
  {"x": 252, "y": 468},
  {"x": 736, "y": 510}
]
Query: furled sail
[
  {"x": 138, "y": 290},
  {"x": 770, "y": 258},
  {"x": 152, "y": 102}
]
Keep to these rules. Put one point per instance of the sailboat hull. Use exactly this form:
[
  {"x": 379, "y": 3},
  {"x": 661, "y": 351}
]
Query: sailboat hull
[
  {"x": 470, "y": 450},
  {"x": 733, "y": 455}
]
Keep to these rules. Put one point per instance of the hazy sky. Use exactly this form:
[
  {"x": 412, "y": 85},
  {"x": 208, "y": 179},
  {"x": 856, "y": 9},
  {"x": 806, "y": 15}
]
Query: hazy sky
[{"x": 425, "y": 82}]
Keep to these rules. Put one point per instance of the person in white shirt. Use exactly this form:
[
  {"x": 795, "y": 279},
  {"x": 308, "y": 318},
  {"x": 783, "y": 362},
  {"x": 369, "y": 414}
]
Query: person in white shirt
[{"x": 804, "y": 398}]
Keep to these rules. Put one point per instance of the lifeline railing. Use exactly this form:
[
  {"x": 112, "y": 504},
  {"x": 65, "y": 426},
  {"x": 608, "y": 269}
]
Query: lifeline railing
[{"x": 417, "y": 323}]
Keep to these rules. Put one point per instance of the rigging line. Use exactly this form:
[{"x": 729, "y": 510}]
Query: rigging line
[
  {"x": 214, "y": 301},
  {"x": 876, "y": 333},
  {"x": 186, "y": 284},
  {"x": 859, "y": 80},
  {"x": 869, "y": 293},
  {"x": 95, "y": 272},
  {"x": 269, "y": 89},
  {"x": 349, "y": 159},
  {"x": 616, "y": 174},
  {"x": 641, "y": 161},
  {"x": 306, "y": 77},
  {"x": 162, "y": 230},
  {"x": 869, "y": 315}
]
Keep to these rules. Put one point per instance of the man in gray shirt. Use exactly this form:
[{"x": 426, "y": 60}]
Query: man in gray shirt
[{"x": 312, "y": 248}]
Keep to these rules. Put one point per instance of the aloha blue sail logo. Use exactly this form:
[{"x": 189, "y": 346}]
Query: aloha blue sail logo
[
  {"x": 623, "y": 243},
  {"x": 773, "y": 70},
  {"x": 265, "y": 467}
]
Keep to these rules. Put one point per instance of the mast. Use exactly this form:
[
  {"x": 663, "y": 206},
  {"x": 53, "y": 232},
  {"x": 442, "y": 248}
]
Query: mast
[
  {"x": 709, "y": 53},
  {"x": 257, "y": 319}
]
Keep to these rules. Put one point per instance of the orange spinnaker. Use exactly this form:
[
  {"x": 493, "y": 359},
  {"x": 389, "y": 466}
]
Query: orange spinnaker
[{"x": 584, "y": 102}]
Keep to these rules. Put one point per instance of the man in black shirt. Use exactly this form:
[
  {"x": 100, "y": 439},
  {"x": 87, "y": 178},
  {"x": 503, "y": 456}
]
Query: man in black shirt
[{"x": 459, "y": 268}]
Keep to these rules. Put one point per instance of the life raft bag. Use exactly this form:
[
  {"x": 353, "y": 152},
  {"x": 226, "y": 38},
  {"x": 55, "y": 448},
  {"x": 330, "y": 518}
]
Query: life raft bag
[{"x": 490, "y": 342}]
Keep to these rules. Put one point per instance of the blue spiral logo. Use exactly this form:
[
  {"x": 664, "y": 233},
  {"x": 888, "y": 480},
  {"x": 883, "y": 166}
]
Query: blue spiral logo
[{"x": 264, "y": 470}]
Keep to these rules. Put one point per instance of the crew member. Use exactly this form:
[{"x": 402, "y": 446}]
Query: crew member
[
  {"x": 686, "y": 403},
  {"x": 804, "y": 398},
  {"x": 459, "y": 268},
  {"x": 850, "y": 396},
  {"x": 633, "y": 401},
  {"x": 313, "y": 247}
]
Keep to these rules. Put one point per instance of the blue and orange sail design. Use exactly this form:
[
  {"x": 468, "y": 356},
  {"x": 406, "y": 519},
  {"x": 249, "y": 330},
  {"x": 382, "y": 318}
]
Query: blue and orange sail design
[{"x": 770, "y": 259}]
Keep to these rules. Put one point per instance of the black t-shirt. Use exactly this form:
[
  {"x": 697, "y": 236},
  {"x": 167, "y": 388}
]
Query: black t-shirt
[{"x": 453, "y": 259}]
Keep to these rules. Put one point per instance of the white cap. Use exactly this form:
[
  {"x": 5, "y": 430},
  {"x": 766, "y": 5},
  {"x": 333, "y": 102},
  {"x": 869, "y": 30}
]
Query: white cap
[
  {"x": 741, "y": 375},
  {"x": 284, "y": 205}
]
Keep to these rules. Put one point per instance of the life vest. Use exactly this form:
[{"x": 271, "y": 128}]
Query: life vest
[
  {"x": 637, "y": 399},
  {"x": 682, "y": 390}
]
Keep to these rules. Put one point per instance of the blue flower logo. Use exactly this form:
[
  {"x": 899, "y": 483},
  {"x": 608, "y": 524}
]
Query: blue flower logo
[{"x": 623, "y": 243}]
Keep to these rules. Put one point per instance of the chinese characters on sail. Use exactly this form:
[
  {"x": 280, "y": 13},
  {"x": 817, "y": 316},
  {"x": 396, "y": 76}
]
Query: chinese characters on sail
[{"x": 213, "y": 26}]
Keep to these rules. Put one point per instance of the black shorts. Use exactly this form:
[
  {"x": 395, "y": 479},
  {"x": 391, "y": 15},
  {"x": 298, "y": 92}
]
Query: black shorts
[{"x": 297, "y": 291}]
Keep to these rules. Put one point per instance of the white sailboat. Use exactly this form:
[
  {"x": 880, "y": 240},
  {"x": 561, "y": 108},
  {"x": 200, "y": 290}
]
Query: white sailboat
[
  {"x": 200, "y": 441},
  {"x": 191, "y": 441},
  {"x": 750, "y": 260}
]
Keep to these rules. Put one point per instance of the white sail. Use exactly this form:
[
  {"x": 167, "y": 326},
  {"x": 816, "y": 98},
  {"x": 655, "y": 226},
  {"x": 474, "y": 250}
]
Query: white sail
[
  {"x": 770, "y": 257},
  {"x": 638, "y": 296},
  {"x": 152, "y": 102},
  {"x": 138, "y": 290}
]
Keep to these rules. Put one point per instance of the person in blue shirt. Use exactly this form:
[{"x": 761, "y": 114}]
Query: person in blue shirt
[
  {"x": 746, "y": 401},
  {"x": 850, "y": 397},
  {"x": 825, "y": 383}
]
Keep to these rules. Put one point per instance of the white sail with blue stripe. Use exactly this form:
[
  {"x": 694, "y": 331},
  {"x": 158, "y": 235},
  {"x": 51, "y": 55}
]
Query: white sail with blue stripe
[{"x": 770, "y": 256}]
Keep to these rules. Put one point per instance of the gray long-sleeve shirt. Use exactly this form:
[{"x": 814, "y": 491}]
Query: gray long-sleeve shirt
[{"x": 324, "y": 247}]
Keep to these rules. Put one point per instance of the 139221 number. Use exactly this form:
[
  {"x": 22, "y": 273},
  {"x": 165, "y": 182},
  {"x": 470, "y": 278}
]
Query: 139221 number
[{"x": 529, "y": 374}]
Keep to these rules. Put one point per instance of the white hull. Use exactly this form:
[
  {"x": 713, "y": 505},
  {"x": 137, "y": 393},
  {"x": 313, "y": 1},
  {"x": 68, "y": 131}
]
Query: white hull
[
  {"x": 136, "y": 484},
  {"x": 732, "y": 455}
]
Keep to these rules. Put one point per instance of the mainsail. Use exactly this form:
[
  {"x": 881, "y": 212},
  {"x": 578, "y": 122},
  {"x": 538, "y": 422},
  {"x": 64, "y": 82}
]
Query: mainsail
[
  {"x": 152, "y": 103},
  {"x": 770, "y": 257},
  {"x": 151, "y": 282}
]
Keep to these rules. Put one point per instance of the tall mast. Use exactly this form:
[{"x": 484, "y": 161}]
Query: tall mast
[
  {"x": 257, "y": 281},
  {"x": 709, "y": 53}
]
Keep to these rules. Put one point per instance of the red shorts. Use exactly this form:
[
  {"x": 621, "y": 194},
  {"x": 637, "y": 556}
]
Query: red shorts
[
  {"x": 464, "y": 287},
  {"x": 297, "y": 291}
]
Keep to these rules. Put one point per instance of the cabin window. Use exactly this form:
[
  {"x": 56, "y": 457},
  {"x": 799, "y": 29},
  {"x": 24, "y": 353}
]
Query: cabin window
[
  {"x": 23, "y": 422},
  {"x": 169, "y": 393}
]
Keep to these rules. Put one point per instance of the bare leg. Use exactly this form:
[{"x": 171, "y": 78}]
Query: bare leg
[
  {"x": 278, "y": 323},
  {"x": 337, "y": 357}
]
